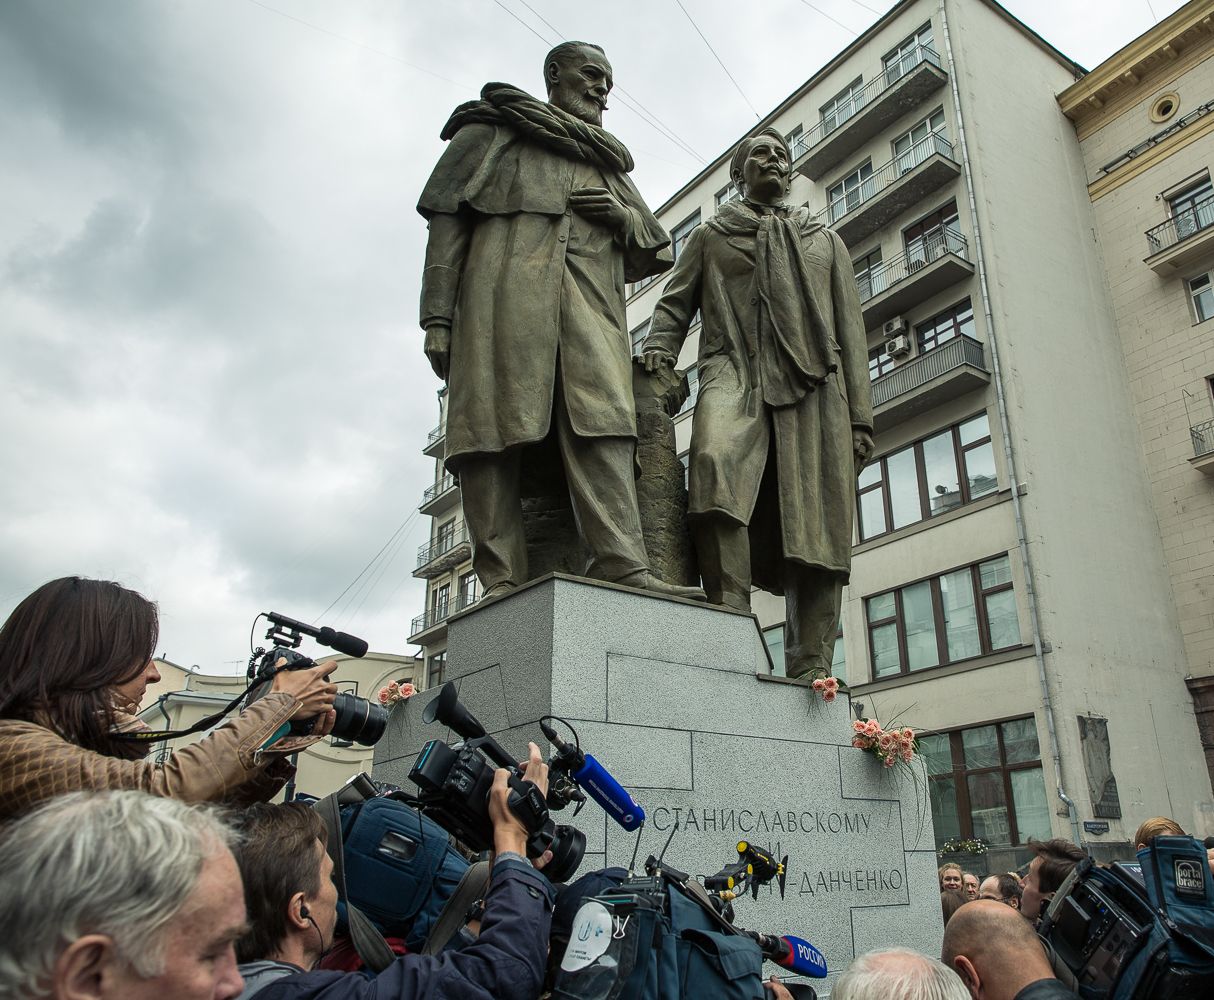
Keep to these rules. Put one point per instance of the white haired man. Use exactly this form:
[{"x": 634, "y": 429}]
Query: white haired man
[
  {"x": 898, "y": 974},
  {"x": 119, "y": 896}
]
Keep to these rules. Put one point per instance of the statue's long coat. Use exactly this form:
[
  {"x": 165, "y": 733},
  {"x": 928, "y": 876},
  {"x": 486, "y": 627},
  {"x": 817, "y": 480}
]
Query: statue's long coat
[
  {"x": 528, "y": 279},
  {"x": 803, "y": 509}
]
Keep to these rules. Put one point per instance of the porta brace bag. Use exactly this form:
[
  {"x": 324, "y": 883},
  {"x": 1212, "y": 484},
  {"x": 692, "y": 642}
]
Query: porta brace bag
[
  {"x": 396, "y": 873},
  {"x": 629, "y": 945},
  {"x": 1129, "y": 935}
]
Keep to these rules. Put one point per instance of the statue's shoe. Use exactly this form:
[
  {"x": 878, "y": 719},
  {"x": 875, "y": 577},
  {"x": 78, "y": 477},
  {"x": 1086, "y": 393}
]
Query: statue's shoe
[{"x": 655, "y": 585}]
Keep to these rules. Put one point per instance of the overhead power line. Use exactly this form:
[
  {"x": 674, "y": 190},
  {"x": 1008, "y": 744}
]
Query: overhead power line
[
  {"x": 830, "y": 17},
  {"x": 737, "y": 85}
]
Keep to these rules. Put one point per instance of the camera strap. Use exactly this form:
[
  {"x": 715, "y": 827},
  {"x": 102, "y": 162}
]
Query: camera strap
[
  {"x": 156, "y": 735},
  {"x": 366, "y": 937}
]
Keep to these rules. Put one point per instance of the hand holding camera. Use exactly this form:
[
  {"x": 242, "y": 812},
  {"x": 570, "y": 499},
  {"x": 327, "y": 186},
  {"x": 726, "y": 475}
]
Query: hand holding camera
[
  {"x": 510, "y": 833},
  {"x": 315, "y": 692}
]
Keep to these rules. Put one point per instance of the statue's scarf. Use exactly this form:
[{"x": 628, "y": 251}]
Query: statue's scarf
[
  {"x": 799, "y": 330},
  {"x": 542, "y": 124}
]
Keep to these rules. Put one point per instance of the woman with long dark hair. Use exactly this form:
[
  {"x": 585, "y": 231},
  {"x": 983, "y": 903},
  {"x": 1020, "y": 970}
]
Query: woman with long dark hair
[{"x": 75, "y": 660}]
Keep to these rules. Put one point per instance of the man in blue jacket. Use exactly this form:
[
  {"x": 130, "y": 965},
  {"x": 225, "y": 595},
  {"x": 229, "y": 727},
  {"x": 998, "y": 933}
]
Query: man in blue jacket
[{"x": 292, "y": 907}]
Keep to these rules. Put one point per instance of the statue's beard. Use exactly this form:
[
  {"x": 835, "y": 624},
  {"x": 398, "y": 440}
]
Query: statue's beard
[{"x": 580, "y": 106}]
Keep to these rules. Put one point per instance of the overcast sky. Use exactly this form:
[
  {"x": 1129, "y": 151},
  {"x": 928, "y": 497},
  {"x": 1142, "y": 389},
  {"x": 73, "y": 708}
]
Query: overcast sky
[{"x": 212, "y": 387}]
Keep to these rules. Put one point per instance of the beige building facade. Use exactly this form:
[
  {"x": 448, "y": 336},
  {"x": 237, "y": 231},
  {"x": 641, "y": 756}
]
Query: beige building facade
[
  {"x": 184, "y": 697},
  {"x": 1145, "y": 125},
  {"x": 1012, "y": 594}
]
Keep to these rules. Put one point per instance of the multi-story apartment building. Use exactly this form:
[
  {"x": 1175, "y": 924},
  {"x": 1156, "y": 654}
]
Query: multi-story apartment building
[
  {"x": 1011, "y": 592},
  {"x": 1144, "y": 123},
  {"x": 445, "y": 561}
]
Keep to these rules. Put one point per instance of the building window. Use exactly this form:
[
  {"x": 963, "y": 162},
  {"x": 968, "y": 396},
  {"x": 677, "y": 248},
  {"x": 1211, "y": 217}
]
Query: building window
[
  {"x": 868, "y": 277},
  {"x": 880, "y": 363},
  {"x": 851, "y": 192},
  {"x": 727, "y": 194},
  {"x": 1193, "y": 209},
  {"x": 469, "y": 590},
  {"x": 928, "y": 238},
  {"x": 693, "y": 384},
  {"x": 442, "y": 602},
  {"x": 437, "y": 667},
  {"x": 1201, "y": 294},
  {"x": 842, "y": 106},
  {"x": 678, "y": 238},
  {"x": 955, "y": 321},
  {"x": 986, "y": 782},
  {"x": 909, "y": 148},
  {"x": 774, "y": 637},
  {"x": 908, "y": 55},
  {"x": 944, "y": 619},
  {"x": 638, "y": 337},
  {"x": 445, "y": 537},
  {"x": 795, "y": 141},
  {"x": 678, "y": 235},
  {"x": 932, "y": 476}
]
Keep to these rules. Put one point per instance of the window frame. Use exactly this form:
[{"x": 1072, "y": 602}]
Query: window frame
[
  {"x": 960, "y": 450},
  {"x": 935, "y": 324},
  {"x": 898, "y": 619},
  {"x": 441, "y": 597},
  {"x": 1195, "y": 295},
  {"x": 897, "y": 55},
  {"x": 727, "y": 194},
  {"x": 638, "y": 334},
  {"x": 846, "y": 96},
  {"x": 960, "y": 774},
  {"x": 839, "y": 192},
  {"x": 431, "y": 678},
  {"x": 863, "y": 269}
]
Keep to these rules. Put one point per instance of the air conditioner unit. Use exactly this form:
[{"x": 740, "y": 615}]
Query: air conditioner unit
[
  {"x": 898, "y": 347},
  {"x": 893, "y": 327}
]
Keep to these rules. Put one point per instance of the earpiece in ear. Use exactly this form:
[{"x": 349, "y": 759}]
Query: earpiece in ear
[{"x": 303, "y": 911}]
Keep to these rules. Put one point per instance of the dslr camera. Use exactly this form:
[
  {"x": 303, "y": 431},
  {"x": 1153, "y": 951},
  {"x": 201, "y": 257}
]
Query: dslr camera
[
  {"x": 454, "y": 782},
  {"x": 358, "y": 720}
]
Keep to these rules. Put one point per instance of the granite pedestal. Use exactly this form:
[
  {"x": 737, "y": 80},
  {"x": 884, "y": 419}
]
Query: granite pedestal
[{"x": 677, "y": 700}]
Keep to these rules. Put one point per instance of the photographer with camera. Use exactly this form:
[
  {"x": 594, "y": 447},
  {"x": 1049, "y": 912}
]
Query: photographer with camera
[
  {"x": 292, "y": 907},
  {"x": 75, "y": 661}
]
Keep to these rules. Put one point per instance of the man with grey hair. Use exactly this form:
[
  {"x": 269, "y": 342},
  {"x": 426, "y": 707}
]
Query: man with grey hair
[
  {"x": 898, "y": 974},
  {"x": 119, "y": 896}
]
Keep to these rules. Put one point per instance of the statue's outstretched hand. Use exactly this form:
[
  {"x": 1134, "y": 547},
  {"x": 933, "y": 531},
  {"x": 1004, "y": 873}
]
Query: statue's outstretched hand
[
  {"x": 438, "y": 348},
  {"x": 601, "y": 207},
  {"x": 654, "y": 358}
]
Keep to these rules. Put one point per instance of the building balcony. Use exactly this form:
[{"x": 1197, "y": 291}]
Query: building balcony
[
  {"x": 891, "y": 189},
  {"x": 444, "y": 553},
  {"x": 1183, "y": 240},
  {"x": 946, "y": 372},
  {"x": 432, "y": 625},
  {"x": 440, "y": 497},
  {"x": 1203, "y": 447},
  {"x": 935, "y": 261},
  {"x": 435, "y": 441},
  {"x": 889, "y": 96}
]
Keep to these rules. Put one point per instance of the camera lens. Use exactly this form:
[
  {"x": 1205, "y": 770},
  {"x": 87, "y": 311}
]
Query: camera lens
[
  {"x": 568, "y": 847},
  {"x": 358, "y": 720}
]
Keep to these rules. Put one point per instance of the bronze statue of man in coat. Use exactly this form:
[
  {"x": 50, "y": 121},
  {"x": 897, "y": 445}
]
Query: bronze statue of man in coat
[
  {"x": 783, "y": 421},
  {"x": 535, "y": 227}
]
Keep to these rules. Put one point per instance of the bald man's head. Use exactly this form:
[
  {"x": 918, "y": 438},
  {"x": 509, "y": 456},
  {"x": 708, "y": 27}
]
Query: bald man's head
[{"x": 994, "y": 950}]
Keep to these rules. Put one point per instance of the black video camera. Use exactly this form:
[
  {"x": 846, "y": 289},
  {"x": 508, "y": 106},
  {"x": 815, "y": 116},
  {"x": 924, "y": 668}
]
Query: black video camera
[
  {"x": 358, "y": 720},
  {"x": 454, "y": 783}
]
